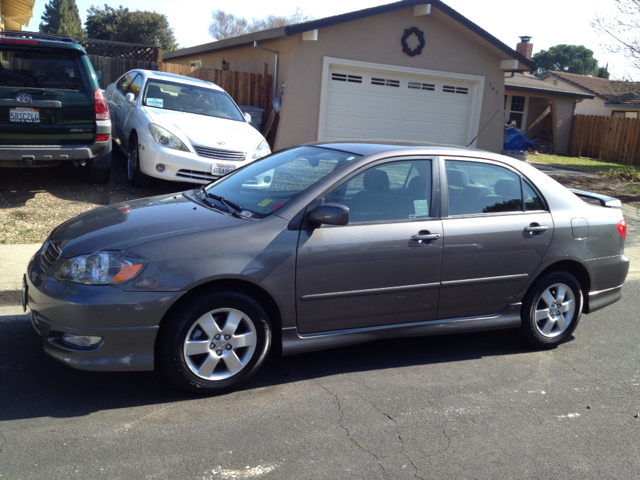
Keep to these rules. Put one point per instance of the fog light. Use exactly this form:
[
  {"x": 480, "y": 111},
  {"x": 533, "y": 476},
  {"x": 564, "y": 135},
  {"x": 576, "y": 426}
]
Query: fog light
[
  {"x": 160, "y": 167},
  {"x": 83, "y": 341}
]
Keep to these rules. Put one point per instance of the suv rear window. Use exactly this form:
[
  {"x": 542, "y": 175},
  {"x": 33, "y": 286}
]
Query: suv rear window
[{"x": 40, "y": 68}]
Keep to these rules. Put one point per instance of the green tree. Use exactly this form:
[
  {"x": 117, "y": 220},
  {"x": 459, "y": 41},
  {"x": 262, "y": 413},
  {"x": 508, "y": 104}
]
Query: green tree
[
  {"x": 61, "y": 17},
  {"x": 567, "y": 58},
  {"x": 226, "y": 25},
  {"x": 123, "y": 25}
]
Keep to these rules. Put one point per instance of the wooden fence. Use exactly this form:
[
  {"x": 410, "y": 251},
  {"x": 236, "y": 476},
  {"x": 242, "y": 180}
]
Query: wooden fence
[{"x": 606, "y": 138}]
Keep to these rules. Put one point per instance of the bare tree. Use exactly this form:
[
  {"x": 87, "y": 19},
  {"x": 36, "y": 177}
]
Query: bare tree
[
  {"x": 226, "y": 25},
  {"x": 622, "y": 30}
]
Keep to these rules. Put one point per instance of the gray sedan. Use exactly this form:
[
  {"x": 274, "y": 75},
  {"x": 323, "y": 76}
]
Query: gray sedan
[{"x": 345, "y": 243}]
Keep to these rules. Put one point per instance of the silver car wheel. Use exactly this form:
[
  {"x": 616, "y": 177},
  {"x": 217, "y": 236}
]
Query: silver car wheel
[
  {"x": 555, "y": 310},
  {"x": 132, "y": 160},
  {"x": 220, "y": 344}
]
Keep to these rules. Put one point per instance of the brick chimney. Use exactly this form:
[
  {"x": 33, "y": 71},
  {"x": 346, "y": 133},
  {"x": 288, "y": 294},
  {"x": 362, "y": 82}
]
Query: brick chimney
[{"x": 525, "y": 47}]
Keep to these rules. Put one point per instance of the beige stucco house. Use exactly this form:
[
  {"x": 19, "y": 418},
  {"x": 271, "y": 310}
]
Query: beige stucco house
[
  {"x": 15, "y": 14},
  {"x": 611, "y": 97},
  {"x": 412, "y": 70}
]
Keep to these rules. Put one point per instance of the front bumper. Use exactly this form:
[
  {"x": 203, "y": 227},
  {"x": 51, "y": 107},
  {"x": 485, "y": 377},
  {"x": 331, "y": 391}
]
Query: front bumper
[
  {"x": 126, "y": 322},
  {"x": 179, "y": 165}
]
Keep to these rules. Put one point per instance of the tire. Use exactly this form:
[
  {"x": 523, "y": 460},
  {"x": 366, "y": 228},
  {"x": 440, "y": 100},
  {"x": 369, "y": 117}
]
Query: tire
[
  {"x": 98, "y": 175},
  {"x": 551, "y": 310},
  {"x": 214, "y": 342},
  {"x": 135, "y": 176}
]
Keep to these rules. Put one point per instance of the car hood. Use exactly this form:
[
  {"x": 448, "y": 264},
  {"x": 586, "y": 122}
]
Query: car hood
[
  {"x": 124, "y": 225},
  {"x": 208, "y": 131}
]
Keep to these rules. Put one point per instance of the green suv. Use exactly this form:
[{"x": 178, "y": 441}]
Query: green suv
[{"x": 52, "y": 109}]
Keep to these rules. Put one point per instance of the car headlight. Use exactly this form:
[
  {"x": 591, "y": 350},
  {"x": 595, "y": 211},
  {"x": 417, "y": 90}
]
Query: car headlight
[
  {"x": 101, "y": 268},
  {"x": 165, "y": 138},
  {"x": 262, "y": 150}
]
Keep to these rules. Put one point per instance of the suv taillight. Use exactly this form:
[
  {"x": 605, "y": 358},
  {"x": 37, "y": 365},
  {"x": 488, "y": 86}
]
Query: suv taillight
[
  {"x": 102, "y": 111},
  {"x": 622, "y": 228}
]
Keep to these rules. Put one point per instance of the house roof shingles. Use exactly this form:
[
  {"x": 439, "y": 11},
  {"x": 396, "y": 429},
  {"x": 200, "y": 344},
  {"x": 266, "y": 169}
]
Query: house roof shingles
[
  {"x": 528, "y": 83},
  {"x": 612, "y": 91}
]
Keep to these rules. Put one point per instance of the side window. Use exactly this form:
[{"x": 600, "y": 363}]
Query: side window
[
  {"x": 135, "y": 86},
  {"x": 532, "y": 200},
  {"x": 393, "y": 191},
  {"x": 482, "y": 188},
  {"x": 123, "y": 83}
]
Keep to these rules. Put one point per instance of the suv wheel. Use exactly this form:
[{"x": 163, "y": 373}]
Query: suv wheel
[{"x": 98, "y": 175}]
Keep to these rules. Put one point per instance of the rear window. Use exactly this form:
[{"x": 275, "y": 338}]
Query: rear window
[{"x": 40, "y": 68}]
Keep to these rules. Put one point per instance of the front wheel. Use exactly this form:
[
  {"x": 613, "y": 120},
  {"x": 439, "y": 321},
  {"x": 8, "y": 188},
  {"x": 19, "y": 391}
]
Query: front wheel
[
  {"x": 551, "y": 310},
  {"x": 134, "y": 174},
  {"x": 215, "y": 342}
]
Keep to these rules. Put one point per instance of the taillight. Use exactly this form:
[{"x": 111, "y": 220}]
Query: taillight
[
  {"x": 622, "y": 228},
  {"x": 102, "y": 137},
  {"x": 19, "y": 41},
  {"x": 102, "y": 111}
]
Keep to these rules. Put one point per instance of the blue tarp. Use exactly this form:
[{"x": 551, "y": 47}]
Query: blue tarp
[{"x": 514, "y": 140}]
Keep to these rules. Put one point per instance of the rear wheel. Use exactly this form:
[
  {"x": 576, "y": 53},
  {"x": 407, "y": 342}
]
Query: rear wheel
[
  {"x": 551, "y": 310},
  {"x": 135, "y": 176},
  {"x": 98, "y": 175},
  {"x": 215, "y": 342}
]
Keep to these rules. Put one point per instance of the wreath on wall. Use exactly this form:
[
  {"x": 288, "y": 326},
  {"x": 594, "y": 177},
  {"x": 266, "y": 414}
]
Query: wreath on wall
[{"x": 405, "y": 46}]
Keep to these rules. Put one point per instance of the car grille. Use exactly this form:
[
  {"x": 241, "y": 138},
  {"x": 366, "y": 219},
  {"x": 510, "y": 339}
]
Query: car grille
[
  {"x": 217, "y": 154},
  {"x": 50, "y": 254},
  {"x": 196, "y": 175}
]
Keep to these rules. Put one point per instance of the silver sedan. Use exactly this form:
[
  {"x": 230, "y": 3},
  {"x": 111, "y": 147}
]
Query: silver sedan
[
  {"x": 347, "y": 243},
  {"x": 179, "y": 128}
]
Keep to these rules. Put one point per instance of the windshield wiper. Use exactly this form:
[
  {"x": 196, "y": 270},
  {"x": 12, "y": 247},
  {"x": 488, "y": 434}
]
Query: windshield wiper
[
  {"x": 231, "y": 207},
  {"x": 40, "y": 91}
]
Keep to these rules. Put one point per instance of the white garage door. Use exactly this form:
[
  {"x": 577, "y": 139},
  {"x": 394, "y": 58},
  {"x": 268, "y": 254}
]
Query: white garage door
[{"x": 385, "y": 104}]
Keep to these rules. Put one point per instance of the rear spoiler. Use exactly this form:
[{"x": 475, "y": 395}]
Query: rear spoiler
[{"x": 603, "y": 200}]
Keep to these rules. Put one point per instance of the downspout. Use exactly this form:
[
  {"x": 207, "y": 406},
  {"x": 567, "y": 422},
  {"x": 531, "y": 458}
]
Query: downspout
[{"x": 275, "y": 70}]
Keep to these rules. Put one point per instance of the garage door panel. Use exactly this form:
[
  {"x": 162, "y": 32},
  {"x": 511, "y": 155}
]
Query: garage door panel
[{"x": 392, "y": 105}]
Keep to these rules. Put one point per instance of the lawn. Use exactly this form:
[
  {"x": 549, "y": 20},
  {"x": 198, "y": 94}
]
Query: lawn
[{"x": 602, "y": 166}]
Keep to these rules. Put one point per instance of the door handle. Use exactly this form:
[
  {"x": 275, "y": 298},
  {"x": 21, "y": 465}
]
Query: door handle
[
  {"x": 536, "y": 228},
  {"x": 425, "y": 236}
]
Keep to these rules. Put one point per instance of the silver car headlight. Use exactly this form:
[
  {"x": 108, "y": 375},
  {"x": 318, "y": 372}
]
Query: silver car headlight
[
  {"x": 102, "y": 268},
  {"x": 262, "y": 150},
  {"x": 165, "y": 138}
]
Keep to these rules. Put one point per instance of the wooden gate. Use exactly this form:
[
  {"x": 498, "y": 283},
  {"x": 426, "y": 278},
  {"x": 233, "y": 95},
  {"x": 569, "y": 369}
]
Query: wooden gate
[{"x": 606, "y": 138}]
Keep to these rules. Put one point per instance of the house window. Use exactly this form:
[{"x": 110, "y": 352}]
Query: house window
[
  {"x": 514, "y": 110},
  {"x": 195, "y": 63},
  {"x": 622, "y": 113}
]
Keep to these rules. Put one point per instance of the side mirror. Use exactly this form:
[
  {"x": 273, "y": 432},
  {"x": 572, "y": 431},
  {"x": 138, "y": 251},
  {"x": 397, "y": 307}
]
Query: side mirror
[
  {"x": 329, "y": 214},
  {"x": 130, "y": 98},
  {"x": 247, "y": 117},
  {"x": 98, "y": 75}
]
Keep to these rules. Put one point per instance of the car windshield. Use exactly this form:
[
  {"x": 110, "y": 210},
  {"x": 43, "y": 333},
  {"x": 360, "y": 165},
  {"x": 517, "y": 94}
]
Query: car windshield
[
  {"x": 190, "y": 99},
  {"x": 262, "y": 187},
  {"x": 36, "y": 68}
]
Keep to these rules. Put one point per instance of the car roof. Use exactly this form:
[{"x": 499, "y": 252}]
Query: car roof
[
  {"x": 368, "y": 147},
  {"x": 179, "y": 78}
]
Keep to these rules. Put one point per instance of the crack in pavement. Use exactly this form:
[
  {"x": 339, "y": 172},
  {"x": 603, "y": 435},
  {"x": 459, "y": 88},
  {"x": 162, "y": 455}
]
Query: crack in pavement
[{"x": 337, "y": 401}]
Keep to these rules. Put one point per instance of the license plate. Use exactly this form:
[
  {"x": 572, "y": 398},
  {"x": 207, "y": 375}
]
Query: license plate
[
  {"x": 24, "y": 115},
  {"x": 219, "y": 169}
]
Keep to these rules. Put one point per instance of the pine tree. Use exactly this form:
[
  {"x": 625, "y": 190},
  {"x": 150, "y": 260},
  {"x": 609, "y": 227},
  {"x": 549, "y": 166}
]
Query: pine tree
[{"x": 61, "y": 17}]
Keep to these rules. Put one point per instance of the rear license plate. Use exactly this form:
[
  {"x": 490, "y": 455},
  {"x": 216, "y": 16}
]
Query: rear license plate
[
  {"x": 219, "y": 169},
  {"x": 24, "y": 115}
]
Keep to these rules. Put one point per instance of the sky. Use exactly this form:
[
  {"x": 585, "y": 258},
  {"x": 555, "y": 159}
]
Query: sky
[{"x": 548, "y": 22}]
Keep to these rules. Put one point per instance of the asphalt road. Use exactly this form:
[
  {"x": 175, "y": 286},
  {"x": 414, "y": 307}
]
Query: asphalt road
[{"x": 467, "y": 406}]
